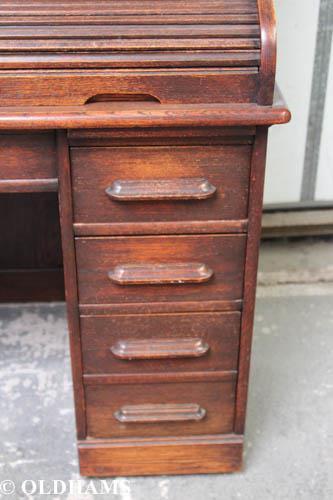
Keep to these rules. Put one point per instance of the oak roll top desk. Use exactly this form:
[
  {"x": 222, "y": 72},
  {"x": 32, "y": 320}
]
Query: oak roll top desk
[{"x": 150, "y": 119}]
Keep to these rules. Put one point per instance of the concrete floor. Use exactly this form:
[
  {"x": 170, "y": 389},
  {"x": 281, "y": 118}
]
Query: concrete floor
[{"x": 289, "y": 439}]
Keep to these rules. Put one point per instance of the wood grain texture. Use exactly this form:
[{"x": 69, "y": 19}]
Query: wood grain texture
[
  {"x": 225, "y": 167},
  {"x": 96, "y": 256},
  {"x": 156, "y": 378},
  {"x": 250, "y": 278},
  {"x": 177, "y": 455},
  {"x": 103, "y": 401},
  {"x": 167, "y": 105},
  {"x": 166, "y": 136},
  {"x": 133, "y": 19},
  {"x": 152, "y": 35},
  {"x": 235, "y": 56},
  {"x": 31, "y": 88},
  {"x": 161, "y": 227},
  {"x": 147, "y": 115},
  {"x": 268, "y": 52},
  {"x": 161, "y": 341},
  {"x": 162, "y": 307},
  {"x": 67, "y": 239},
  {"x": 29, "y": 157},
  {"x": 109, "y": 7}
]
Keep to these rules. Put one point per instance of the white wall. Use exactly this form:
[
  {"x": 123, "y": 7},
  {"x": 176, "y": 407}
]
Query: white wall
[
  {"x": 297, "y": 31},
  {"x": 324, "y": 187}
]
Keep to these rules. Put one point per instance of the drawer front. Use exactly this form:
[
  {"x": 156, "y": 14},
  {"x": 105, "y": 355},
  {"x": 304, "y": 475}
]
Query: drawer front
[
  {"x": 160, "y": 342},
  {"x": 124, "y": 410},
  {"x": 28, "y": 156},
  {"x": 160, "y": 184},
  {"x": 160, "y": 269}
]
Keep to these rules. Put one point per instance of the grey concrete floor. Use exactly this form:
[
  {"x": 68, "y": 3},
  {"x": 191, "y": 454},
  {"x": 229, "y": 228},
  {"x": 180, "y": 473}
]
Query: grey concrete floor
[{"x": 289, "y": 438}]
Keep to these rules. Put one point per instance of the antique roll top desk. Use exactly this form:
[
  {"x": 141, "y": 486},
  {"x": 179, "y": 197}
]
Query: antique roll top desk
[{"x": 150, "y": 119}]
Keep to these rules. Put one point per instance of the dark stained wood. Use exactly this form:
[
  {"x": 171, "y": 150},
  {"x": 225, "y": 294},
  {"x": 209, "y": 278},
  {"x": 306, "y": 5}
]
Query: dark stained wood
[
  {"x": 156, "y": 378},
  {"x": 225, "y": 167},
  {"x": 103, "y": 401},
  {"x": 31, "y": 285},
  {"x": 61, "y": 34},
  {"x": 224, "y": 255},
  {"x": 195, "y": 188},
  {"x": 66, "y": 216},
  {"x": 140, "y": 456},
  {"x": 152, "y": 343},
  {"x": 133, "y": 19},
  {"x": 107, "y": 7},
  {"x": 30, "y": 233},
  {"x": 181, "y": 136},
  {"x": 140, "y": 414},
  {"x": 160, "y": 274},
  {"x": 147, "y": 115},
  {"x": 268, "y": 52},
  {"x": 168, "y": 59},
  {"x": 28, "y": 158},
  {"x": 162, "y": 110},
  {"x": 250, "y": 278},
  {"x": 149, "y": 36},
  {"x": 146, "y": 228},
  {"x": 162, "y": 307},
  {"x": 31, "y": 89}
]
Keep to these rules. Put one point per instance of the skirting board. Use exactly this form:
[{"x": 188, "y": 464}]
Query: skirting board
[{"x": 140, "y": 457}]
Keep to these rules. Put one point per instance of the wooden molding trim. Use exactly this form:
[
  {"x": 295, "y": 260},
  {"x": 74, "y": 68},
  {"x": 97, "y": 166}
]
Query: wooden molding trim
[
  {"x": 174, "y": 455},
  {"x": 28, "y": 185},
  {"x": 161, "y": 189},
  {"x": 156, "y": 378},
  {"x": 160, "y": 413},
  {"x": 159, "y": 348},
  {"x": 160, "y": 274},
  {"x": 104, "y": 115},
  {"x": 268, "y": 52},
  {"x": 138, "y": 228}
]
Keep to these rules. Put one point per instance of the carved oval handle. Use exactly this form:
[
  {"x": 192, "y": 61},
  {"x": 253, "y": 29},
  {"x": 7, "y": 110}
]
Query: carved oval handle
[
  {"x": 159, "y": 413},
  {"x": 160, "y": 274},
  {"x": 159, "y": 348},
  {"x": 195, "y": 188}
]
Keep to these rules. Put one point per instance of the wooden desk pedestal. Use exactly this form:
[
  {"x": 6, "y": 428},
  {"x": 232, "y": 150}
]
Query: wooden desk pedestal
[{"x": 151, "y": 122}]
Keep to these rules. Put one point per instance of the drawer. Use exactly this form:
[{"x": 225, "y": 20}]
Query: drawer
[
  {"x": 149, "y": 269},
  {"x": 27, "y": 156},
  {"x": 160, "y": 184},
  {"x": 160, "y": 342},
  {"x": 161, "y": 409}
]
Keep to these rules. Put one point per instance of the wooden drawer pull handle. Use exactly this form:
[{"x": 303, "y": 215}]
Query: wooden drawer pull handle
[
  {"x": 159, "y": 413},
  {"x": 160, "y": 274},
  {"x": 160, "y": 348},
  {"x": 196, "y": 188}
]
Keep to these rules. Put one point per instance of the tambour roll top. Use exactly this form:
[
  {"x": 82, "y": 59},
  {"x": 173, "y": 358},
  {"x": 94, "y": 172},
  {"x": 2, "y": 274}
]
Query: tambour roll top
[{"x": 169, "y": 51}]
